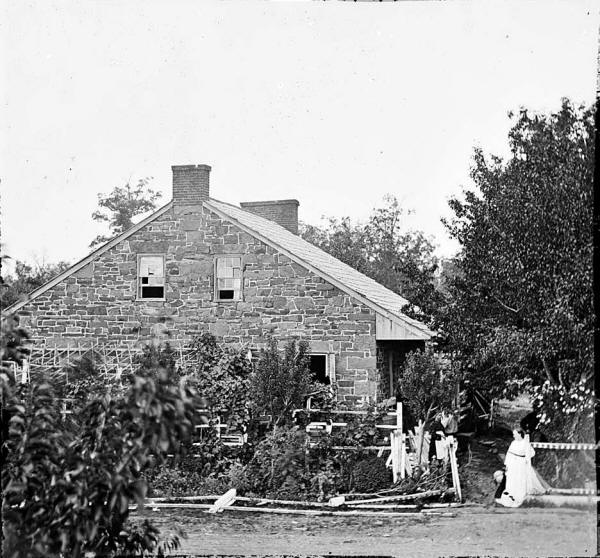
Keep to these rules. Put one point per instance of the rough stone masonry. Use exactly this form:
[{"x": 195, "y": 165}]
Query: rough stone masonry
[{"x": 280, "y": 297}]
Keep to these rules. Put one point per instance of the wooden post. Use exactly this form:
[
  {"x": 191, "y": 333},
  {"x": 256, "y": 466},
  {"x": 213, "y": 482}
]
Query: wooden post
[
  {"x": 394, "y": 456},
  {"x": 399, "y": 416},
  {"x": 454, "y": 469},
  {"x": 400, "y": 451},
  {"x": 402, "y": 456},
  {"x": 391, "y": 373}
]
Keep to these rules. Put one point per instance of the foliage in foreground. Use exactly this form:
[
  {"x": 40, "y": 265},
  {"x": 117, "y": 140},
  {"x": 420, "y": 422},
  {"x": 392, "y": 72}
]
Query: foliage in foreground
[{"x": 68, "y": 480}]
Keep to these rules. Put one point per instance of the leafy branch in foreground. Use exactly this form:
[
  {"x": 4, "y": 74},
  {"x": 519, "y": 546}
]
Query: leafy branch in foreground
[{"x": 68, "y": 480}]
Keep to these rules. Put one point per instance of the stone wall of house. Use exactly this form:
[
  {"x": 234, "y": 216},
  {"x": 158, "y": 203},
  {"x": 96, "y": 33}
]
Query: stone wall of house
[{"x": 280, "y": 298}]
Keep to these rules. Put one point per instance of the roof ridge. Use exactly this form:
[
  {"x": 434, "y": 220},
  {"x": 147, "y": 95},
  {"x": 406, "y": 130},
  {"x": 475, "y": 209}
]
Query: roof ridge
[
  {"x": 400, "y": 300},
  {"x": 327, "y": 254}
]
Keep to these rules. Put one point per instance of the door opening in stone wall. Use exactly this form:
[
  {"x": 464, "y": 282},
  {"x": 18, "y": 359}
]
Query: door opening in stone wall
[
  {"x": 391, "y": 356},
  {"x": 318, "y": 368}
]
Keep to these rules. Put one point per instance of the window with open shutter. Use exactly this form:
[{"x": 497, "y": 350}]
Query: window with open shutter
[
  {"x": 151, "y": 277},
  {"x": 228, "y": 278}
]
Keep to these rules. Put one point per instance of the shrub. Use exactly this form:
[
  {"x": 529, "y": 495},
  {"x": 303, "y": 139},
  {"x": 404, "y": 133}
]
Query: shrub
[
  {"x": 371, "y": 475},
  {"x": 426, "y": 383},
  {"x": 166, "y": 482},
  {"x": 281, "y": 382},
  {"x": 222, "y": 377},
  {"x": 278, "y": 466}
]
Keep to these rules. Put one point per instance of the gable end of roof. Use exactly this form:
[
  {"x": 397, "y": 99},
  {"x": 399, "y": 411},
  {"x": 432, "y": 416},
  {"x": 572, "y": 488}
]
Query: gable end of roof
[{"x": 85, "y": 261}]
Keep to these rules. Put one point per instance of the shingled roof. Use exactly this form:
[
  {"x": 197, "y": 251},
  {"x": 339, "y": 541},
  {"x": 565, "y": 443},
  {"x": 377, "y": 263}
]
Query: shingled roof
[{"x": 373, "y": 294}]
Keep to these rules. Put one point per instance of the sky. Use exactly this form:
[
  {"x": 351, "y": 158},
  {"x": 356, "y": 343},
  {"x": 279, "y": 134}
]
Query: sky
[{"x": 335, "y": 104}]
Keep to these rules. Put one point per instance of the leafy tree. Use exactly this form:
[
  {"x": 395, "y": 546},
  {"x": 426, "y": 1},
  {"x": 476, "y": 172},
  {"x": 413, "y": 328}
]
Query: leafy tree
[
  {"x": 281, "y": 382},
  {"x": 522, "y": 311},
  {"x": 222, "y": 377},
  {"x": 68, "y": 480},
  {"x": 401, "y": 260},
  {"x": 27, "y": 278},
  {"x": 119, "y": 207},
  {"x": 427, "y": 383}
]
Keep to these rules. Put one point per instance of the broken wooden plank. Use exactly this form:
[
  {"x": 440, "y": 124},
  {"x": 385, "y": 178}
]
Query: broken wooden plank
[
  {"x": 398, "y": 498},
  {"x": 386, "y": 506},
  {"x": 185, "y": 498},
  {"x": 292, "y": 511},
  {"x": 262, "y": 501},
  {"x": 361, "y": 448},
  {"x": 224, "y": 501}
]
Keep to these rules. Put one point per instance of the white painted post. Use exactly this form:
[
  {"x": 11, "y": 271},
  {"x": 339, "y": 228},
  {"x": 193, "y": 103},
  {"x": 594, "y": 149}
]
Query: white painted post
[
  {"x": 402, "y": 457},
  {"x": 393, "y": 456},
  {"x": 400, "y": 442},
  {"x": 25, "y": 375},
  {"x": 454, "y": 469}
]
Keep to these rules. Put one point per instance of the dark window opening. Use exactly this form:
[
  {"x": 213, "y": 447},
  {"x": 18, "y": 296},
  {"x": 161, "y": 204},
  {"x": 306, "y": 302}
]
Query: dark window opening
[
  {"x": 318, "y": 367},
  {"x": 153, "y": 292},
  {"x": 226, "y": 295}
]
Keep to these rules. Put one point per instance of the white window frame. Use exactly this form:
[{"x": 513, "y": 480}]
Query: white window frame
[
  {"x": 233, "y": 278},
  {"x": 140, "y": 286},
  {"x": 329, "y": 365}
]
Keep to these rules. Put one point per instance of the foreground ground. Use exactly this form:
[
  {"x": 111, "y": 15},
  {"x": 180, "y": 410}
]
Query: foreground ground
[{"x": 476, "y": 531}]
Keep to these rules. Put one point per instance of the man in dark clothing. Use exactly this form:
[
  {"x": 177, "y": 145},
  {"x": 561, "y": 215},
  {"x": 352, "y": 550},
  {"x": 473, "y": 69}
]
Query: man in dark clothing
[
  {"x": 529, "y": 424},
  {"x": 437, "y": 433}
]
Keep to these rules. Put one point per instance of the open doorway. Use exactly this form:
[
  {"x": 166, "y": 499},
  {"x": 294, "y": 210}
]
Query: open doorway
[{"x": 318, "y": 367}]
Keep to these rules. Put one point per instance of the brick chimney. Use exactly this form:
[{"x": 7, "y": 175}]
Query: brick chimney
[
  {"x": 190, "y": 184},
  {"x": 283, "y": 212}
]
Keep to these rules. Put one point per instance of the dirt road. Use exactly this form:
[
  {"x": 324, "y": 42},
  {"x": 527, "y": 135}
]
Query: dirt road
[{"x": 472, "y": 532}]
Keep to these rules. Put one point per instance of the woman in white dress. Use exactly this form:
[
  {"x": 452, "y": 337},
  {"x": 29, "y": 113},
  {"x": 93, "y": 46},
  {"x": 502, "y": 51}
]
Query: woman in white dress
[{"x": 521, "y": 477}]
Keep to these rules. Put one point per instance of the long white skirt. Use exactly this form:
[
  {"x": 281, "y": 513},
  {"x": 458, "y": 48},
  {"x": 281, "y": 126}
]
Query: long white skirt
[{"x": 521, "y": 479}]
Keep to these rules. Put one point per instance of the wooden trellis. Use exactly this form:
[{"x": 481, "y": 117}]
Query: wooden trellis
[{"x": 111, "y": 359}]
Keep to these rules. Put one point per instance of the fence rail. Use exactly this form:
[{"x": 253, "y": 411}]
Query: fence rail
[{"x": 564, "y": 446}]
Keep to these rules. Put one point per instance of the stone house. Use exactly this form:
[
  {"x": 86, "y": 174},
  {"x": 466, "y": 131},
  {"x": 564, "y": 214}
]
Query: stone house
[{"x": 241, "y": 273}]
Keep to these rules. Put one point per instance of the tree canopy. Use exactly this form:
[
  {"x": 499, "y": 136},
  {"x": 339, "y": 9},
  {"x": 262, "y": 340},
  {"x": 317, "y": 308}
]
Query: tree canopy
[
  {"x": 119, "y": 207},
  {"x": 27, "y": 278},
  {"x": 401, "y": 260},
  {"x": 521, "y": 315}
]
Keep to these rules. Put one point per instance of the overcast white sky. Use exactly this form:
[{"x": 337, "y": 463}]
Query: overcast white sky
[{"x": 335, "y": 104}]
